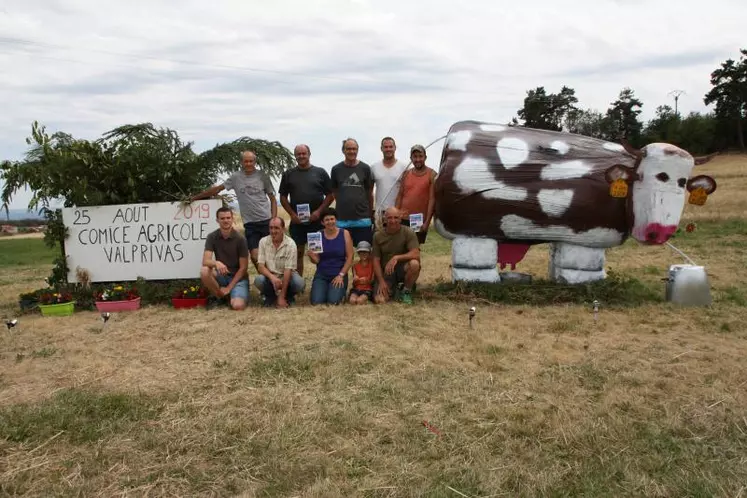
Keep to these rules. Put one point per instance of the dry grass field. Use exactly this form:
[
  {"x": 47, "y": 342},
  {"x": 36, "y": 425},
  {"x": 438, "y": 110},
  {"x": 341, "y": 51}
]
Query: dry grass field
[{"x": 649, "y": 400}]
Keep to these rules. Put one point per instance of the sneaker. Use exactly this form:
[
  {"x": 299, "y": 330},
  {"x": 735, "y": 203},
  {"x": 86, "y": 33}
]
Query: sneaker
[{"x": 406, "y": 297}]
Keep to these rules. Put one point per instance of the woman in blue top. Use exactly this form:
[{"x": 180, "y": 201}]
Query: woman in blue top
[{"x": 332, "y": 264}]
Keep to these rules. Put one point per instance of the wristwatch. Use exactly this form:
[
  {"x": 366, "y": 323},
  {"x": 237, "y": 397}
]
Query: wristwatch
[{"x": 341, "y": 274}]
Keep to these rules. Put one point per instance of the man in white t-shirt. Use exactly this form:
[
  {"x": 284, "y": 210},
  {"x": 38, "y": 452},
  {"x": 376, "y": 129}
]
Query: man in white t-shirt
[{"x": 386, "y": 175}]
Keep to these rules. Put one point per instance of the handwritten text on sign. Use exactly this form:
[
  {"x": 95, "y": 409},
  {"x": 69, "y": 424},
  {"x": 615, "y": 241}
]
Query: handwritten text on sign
[{"x": 155, "y": 241}]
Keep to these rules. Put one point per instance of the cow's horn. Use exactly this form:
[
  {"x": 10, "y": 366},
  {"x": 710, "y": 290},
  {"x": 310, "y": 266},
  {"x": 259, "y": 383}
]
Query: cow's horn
[
  {"x": 630, "y": 149},
  {"x": 705, "y": 159}
]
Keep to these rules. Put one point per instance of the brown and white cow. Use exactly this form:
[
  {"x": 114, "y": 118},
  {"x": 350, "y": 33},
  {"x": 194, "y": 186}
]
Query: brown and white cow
[{"x": 521, "y": 186}]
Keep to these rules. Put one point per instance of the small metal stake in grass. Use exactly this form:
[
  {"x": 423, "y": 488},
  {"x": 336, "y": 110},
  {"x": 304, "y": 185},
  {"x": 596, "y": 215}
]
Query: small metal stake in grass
[
  {"x": 471, "y": 315},
  {"x": 105, "y": 318},
  {"x": 596, "y": 309}
]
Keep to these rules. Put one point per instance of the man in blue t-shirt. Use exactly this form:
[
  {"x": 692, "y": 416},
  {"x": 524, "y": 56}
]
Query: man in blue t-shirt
[
  {"x": 352, "y": 185},
  {"x": 310, "y": 191}
]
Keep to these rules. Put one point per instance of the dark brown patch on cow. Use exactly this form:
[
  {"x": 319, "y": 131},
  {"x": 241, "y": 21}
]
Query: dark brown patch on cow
[{"x": 471, "y": 214}]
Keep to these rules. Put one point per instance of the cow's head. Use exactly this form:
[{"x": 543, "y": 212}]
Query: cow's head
[{"x": 658, "y": 183}]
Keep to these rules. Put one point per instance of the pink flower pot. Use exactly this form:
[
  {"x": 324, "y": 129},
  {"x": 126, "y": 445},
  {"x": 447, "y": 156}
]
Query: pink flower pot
[
  {"x": 188, "y": 302},
  {"x": 129, "y": 305}
]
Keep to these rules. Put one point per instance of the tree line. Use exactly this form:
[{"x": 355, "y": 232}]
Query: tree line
[{"x": 720, "y": 130}]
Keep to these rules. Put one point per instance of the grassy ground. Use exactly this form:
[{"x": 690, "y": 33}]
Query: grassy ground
[{"x": 318, "y": 402}]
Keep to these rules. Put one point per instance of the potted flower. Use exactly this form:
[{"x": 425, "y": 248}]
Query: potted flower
[
  {"x": 117, "y": 298},
  {"x": 190, "y": 296},
  {"x": 56, "y": 303}
]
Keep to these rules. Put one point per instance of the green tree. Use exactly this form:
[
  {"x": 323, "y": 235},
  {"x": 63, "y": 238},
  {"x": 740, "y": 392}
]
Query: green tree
[
  {"x": 664, "y": 127},
  {"x": 547, "y": 111},
  {"x": 623, "y": 118},
  {"x": 587, "y": 122},
  {"x": 729, "y": 93}
]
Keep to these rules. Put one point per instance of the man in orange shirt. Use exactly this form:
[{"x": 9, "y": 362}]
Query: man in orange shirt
[{"x": 417, "y": 194}]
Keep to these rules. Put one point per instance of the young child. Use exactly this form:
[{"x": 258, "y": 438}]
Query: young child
[{"x": 363, "y": 275}]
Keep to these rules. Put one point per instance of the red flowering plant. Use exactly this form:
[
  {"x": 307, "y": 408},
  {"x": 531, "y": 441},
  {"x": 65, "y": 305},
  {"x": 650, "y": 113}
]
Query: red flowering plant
[
  {"x": 117, "y": 293},
  {"x": 191, "y": 292},
  {"x": 52, "y": 296}
]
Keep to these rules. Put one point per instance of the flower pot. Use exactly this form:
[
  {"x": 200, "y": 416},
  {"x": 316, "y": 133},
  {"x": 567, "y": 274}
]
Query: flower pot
[
  {"x": 188, "y": 302},
  {"x": 129, "y": 305},
  {"x": 64, "y": 309}
]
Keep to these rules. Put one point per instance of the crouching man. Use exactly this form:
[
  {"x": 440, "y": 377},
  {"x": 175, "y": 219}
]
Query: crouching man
[
  {"x": 278, "y": 280},
  {"x": 225, "y": 261},
  {"x": 396, "y": 259}
]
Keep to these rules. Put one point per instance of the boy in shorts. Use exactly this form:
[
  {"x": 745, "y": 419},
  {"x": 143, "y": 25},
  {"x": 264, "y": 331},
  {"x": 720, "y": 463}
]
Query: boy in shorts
[{"x": 363, "y": 275}]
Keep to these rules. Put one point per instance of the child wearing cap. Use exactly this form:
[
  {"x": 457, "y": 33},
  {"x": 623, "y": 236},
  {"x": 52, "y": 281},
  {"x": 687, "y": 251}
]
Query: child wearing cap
[{"x": 363, "y": 275}]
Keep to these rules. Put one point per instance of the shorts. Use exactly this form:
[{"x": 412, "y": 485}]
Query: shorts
[
  {"x": 254, "y": 231},
  {"x": 240, "y": 290},
  {"x": 420, "y": 235},
  {"x": 360, "y": 233},
  {"x": 361, "y": 292},
  {"x": 397, "y": 277},
  {"x": 298, "y": 232}
]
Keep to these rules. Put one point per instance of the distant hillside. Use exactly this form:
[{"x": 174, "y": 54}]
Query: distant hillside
[{"x": 20, "y": 214}]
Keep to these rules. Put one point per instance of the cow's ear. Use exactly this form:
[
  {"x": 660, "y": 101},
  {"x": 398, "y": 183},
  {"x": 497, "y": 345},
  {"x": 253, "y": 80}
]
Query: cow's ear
[
  {"x": 618, "y": 177},
  {"x": 618, "y": 172},
  {"x": 702, "y": 181},
  {"x": 700, "y": 187}
]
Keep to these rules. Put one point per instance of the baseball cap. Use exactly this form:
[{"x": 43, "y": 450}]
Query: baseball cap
[
  {"x": 363, "y": 246},
  {"x": 417, "y": 147}
]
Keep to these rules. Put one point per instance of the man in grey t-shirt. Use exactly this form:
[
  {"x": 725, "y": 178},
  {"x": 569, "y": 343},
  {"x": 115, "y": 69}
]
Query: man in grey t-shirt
[
  {"x": 352, "y": 185},
  {"x": 256, "y": 197}
]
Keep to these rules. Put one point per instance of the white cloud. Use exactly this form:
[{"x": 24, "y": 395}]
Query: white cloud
[{"x": 316, "y": 72}]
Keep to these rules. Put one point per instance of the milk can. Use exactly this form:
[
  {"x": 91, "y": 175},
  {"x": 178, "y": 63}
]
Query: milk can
[{"x": 688, "y": 285}]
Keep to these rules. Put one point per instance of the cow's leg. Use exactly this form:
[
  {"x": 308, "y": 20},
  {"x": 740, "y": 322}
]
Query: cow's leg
[
  {"x": 574, "y": 264},
  {"x": 474, "y": 259}
]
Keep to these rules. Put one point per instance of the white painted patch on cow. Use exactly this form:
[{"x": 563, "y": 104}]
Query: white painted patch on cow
[
  {"x": 492, "y": 127},
  {"x": 555, "y": 202},
  {"x": 474, "y": 175},
  {"x": 565, "y": 171},
  {"x": 512, "y": 151},
  {"x": 520, "y": 228},
  {"x": 459, "y": 140},
  {"x": 613, "y": 147},
  {"x": 561, "y": 147}
]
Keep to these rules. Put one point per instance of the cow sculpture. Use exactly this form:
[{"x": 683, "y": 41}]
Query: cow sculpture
[{"x": 502, "y": 189}]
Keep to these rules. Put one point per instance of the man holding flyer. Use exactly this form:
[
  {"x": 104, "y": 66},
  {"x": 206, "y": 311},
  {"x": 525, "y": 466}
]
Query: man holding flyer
[
  {"x": 417, "y": 194},
  {"x": 310, "y": 191}
]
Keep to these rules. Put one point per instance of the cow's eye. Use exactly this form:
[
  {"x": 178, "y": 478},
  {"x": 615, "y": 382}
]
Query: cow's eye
[
  {"x": 682, "y": 182},
  {"x": 662, "y": 177}
]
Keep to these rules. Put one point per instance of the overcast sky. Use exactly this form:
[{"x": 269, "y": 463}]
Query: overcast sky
[{"x": 317, "y": 71}]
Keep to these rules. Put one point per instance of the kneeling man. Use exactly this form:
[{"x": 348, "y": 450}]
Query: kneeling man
[
  {"x": 225, "y": 261},
  {"x": 396, "y": 259},
  {"x": 278, "y": 280}
]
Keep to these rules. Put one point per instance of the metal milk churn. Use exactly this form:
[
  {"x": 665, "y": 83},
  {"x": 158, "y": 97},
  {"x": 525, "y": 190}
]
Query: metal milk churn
[{"x": 688, "y": 285}]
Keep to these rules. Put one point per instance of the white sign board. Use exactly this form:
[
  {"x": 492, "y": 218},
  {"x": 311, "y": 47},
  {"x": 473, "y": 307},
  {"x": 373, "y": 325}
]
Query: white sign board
[{"x": 155, "y": 241}]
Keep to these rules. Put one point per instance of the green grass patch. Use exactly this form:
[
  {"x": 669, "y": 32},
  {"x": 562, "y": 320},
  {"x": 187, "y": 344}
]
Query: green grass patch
[
  {"x": 616, "y": 290},
  {"x": 25, "y": 252},
  {"x": 82, "y": 416}
]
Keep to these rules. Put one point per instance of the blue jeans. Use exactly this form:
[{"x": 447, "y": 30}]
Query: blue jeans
[
  {"x": 295, "y": 286},
  {"x": 323, "y": 292}
]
